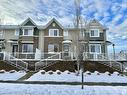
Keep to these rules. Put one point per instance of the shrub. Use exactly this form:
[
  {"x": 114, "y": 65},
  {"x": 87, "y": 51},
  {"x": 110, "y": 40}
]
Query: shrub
[
  {"x": 97, "y": 73},
  {"x": 21, "y": 71},
  {"x": 67, "y": 72},
  {"x": 58, "y": 72},
  {"x": 116, "y": 73},
  {"x": 42, "y": 71},
  {"x": 2, "y": 71},
  {"x": 12, "y": 71},
  {"x": 107, "y": 73},
  {"x": 88, "y": 72},
  {"x": 50, "y": 72}
]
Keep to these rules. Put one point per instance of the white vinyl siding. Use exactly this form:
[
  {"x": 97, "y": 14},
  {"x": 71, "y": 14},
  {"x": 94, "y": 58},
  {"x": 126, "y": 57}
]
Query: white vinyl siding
[
  {"x": 53, "y": 32},
  {"x": 1, "y": 33},
  {"x": 28, "y": 32},
  {"x": 95, "y": 48},
  {"x": 94, "y": 33},
  {"x": 82, "y": 33},
  {"x": 17, "y": 32},
  {"x": 65, "y": 33},
  {"x": 27, "y": 48}
]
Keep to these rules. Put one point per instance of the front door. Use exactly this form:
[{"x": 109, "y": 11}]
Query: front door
[
  {"x": 14, "y": 49},
  {"x": 95, "y": 51}
]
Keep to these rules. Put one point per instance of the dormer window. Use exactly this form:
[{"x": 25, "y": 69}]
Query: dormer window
[
  {"x": 28, "y": 32},
  {"x": 94, "y": 33},
  {"x": 53, "y": 32}
]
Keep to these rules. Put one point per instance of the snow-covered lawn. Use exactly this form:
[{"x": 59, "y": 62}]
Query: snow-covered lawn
[
  {"x": 64, "y": 76},
  {"x": 11, "y": 76},
  {"x": 32, "y": 89}
]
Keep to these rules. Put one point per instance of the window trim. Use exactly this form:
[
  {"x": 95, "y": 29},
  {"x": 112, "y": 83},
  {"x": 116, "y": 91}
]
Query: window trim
[
  {"x": 98, "y": 34},
  {"x": 27, "y": 51},
  {"x": 49, "y": 34},
  {"x": 28, "y": 35},
  {"x": 95, "y": 46}
]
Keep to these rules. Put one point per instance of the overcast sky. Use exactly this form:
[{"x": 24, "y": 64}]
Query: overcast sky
[{"x": 112, "y": 13}]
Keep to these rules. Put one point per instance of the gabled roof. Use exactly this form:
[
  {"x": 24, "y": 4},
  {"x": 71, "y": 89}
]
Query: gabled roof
[
  {"x": 27, "y": 20},
  {"x": 52, "y": 21},
  {"x": 96, "y": 21}
]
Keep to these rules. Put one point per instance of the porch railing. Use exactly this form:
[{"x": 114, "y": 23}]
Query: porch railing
[
  {"x": 48, "y": 61},
  {"x": 20, "y": 64},
  {"x": 104, "y": 59}
]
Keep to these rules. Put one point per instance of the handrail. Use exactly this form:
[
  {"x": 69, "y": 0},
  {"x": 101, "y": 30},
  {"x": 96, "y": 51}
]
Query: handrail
[
  {"x": 9, "y": 58},
  {"x": 46, "y": 61},
  {"x": 111, "y": 63}
]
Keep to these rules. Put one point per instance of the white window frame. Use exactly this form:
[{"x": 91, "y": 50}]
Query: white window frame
[
  {"x": 26, "y": 51},
  {"x": 65, "y": 33},
  {"x": 52, "y": 30},
  {"x": 28, "y": 33},
  {"x": 95, "y": 47},
  {"x": 98, "y": 34},
  {"x": 67, "y": 51}
]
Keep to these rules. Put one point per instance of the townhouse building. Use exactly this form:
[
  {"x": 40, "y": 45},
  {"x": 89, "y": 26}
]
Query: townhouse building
[
  {"x": 31, "y": 42},
  {"x": 52, "y": 38}
]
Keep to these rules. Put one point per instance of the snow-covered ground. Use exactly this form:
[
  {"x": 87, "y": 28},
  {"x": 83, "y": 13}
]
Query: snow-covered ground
[
  {"x": 11, "y": 76},
  {"x": 32, "y": 89},
  {"x": 64, "y": 76}
]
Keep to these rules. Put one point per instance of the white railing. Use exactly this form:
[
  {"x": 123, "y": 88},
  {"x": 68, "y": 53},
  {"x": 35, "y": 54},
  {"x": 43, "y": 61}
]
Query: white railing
[
  {"x": 94, "y": 56},
  {"x": 21, "y": 55},
  {"x": 20, "y": 64},
  {"x": 103, "y": 59},
  {"x": 48, "y": 61},
  {"x": 118, "y": 56}
]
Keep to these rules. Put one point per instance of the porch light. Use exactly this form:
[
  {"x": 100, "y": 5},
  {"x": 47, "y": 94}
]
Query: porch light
[{"x": 113, "y": 45}]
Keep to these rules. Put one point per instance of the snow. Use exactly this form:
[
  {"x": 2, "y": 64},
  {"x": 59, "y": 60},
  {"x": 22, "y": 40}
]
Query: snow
[
  {"x": 11, "y": 76},
  {"x": 36, "y": 89},
  {"x": 72, "y": 77}
]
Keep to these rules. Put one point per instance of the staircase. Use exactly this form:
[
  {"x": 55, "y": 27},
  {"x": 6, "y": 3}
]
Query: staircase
[
  {"x": 44, "y": 63},
  {"x": 102, "y": 59},
  {"x": 18, "y": 63}
]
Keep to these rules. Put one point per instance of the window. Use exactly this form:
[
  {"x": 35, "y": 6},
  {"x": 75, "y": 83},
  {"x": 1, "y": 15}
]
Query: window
[
  {"x": 53, "y": 32},
  {"x": 65, "y": 33},
  {"x": 1, "y": 32},
  {"x": 28, "y": 32},
  {"x": 27, "y": 48},
  {"x": 82, "y": 33},
  {"x": 66, "y": 50},
  {"x": 95, "y": 48},
  {"x": 17, "y": 32},
  {"x": 94, "y": 33},
  {"x": 53, "y": 48}
]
